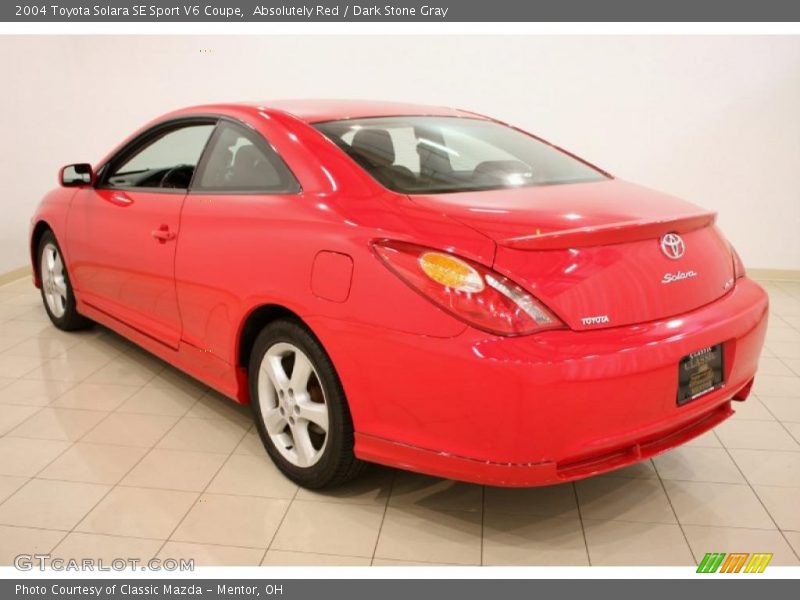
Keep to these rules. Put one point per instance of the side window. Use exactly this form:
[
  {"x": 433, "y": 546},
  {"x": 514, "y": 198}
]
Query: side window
[
  {"x": 239, "y": 160},
  {"x": 167, "y": 161}
]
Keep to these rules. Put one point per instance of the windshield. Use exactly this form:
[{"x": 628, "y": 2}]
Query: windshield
[{"x": 430, "y": 155}]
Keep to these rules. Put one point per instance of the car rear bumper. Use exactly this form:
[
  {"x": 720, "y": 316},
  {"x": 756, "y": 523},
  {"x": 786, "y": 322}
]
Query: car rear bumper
[{"x": 545, "y": 408}]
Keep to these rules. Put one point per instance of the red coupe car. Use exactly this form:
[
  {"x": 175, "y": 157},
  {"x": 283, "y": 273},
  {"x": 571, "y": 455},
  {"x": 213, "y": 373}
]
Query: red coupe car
[{"x": 415, "y": 286}]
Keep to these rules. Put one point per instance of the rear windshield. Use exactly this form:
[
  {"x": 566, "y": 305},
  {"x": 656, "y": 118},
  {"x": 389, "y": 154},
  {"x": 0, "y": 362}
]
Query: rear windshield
[{"x": 433, "y": 155}]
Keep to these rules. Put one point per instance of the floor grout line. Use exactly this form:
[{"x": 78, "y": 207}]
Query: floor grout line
[
  {"x": 580, "y": 518},
  {"x": 383, "y": 517},
  {"x": 203, "y": 491},
  {"x": 674, "y": 512}
]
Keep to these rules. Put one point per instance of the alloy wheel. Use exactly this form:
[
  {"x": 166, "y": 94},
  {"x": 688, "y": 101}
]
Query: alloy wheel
[
  {"x": 54, "y": 283},
  {"x": 293, "y": 404}
]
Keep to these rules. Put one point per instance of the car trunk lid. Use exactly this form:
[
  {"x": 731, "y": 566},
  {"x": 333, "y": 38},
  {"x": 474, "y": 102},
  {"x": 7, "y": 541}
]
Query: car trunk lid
[{"x": 595, "y": 253}]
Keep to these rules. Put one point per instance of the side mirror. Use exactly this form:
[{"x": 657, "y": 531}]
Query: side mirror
[{"x": 75, "y": 175}]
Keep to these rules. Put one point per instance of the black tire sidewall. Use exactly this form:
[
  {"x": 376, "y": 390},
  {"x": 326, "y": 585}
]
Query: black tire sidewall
[{"x": 339, "y": 443}]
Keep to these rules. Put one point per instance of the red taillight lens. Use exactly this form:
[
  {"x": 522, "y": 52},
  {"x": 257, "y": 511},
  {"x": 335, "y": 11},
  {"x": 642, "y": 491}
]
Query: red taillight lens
[
  {"x": 738, "y": 265},
  {"x": 469, "y": 291}
]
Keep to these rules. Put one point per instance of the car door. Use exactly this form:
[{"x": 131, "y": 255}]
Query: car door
[
  {"x": 238, "y": 220},
  {"x": 122, "y": 233}
]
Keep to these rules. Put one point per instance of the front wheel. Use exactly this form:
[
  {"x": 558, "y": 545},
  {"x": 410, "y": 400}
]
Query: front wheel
[
  {"x": 300, "y": 408},
  {"x": 57, "y": 294}
]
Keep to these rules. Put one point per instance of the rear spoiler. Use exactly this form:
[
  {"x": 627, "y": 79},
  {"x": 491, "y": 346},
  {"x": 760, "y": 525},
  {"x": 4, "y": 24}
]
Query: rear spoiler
[{"x": 614, "y": 233}]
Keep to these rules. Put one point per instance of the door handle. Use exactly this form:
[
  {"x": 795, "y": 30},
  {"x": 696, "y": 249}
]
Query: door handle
[{"x": 163, "y": 234}]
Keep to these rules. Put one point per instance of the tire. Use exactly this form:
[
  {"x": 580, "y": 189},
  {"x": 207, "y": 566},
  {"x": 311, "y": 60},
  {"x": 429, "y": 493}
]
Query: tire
[
  {"x": 290, "y": 414},
  {"x": 57, "y": 295}
]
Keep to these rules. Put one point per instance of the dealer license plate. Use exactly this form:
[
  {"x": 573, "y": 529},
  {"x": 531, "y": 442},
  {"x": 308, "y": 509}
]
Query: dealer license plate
[{"x": 699, "y": 373}]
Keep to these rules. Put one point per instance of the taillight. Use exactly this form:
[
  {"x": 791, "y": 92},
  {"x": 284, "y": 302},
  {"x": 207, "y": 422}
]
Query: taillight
[
  {"x": 467, "y": 290},
  {"x": 738, "y": 265}
]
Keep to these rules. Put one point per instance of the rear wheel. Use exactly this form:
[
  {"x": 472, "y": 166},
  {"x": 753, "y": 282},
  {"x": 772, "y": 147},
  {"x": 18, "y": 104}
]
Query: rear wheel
[
  {"x": 57, "y": 294},
  {"x": 300, "y": 408}
]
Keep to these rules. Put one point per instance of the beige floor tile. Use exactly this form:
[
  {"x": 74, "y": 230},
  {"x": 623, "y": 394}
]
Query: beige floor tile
[
  {"x": 290, "y": 559},
  {"x": 373, "y": 487},
  {"x": 11, "y": 416},
  {"x": 245, "y": 475},
  {"x": 769, "y": 467},
  {"x": 212, "y": 555},
  {"x": 707, "y": 440},
  {"x": 107, "y": 548},
  {"x": 22, "y": 540},
  {"x": 760, "y": 435},
  {"x": 131, "y": 430},
  {"x": 126, "y": 370},
  {"x": 95, "y": 396},
  {"x": 547, "y": 501},
  {"x": 717, "y": 504},
  {"x": 51, "y": 504},
  {"x": 138, "y": 512},
  {"x": 66, "y": 368},
  {"x": 10, "y": 484},
  {"x": 617, "y": 543},
  {"x": 216, "y": 406},
  {"x": 171, "y": 378},
  {"x": 330, "y": 528},
  {"x": 732, "y": 539},
  {"x": 9, "y": 339},
  {"x": 17, "y": 366},
  {"x": 782, "y": 503},
  {"x": 793, "y": 538},
  {"x": 44, "y": 346},
  {"x": 175, "y": 470},
  {"x": 794, "y": 430},
  {"x": 93, "y": 463},
  {"x": 793, "y": 364},
  {"x": 59, "y": 424},
  {"x": 158, "y": 401},
  {"x": 784, "y": 350},
  {"x": 773, "y": 366},
  {"x": 772, "y": 385},
  {"x": 698, "y": 464},
  {"x": 423, "y": 491},
  {"x": 527, "y": 540},
  {"x": 31, "y": 392},
  {"x": 25, "y": 457},
  {"x": 751, "y": 409},
  {"x": 251, "y": 445},
  {"x": 641, "y": 470},
  {"x": 232, "y": 521},
  {"x": 777, "y": 333},
  {"x": 643, "y": 500},
  {"x": 204, "y": 435},
  {"x": 784, "y": 408},
  {"x": 93, "y": 350},
  {"x": 428, "y": 535}
]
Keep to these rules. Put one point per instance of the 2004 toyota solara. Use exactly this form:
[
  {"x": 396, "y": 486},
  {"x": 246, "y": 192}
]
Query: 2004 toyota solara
[{"x": 415, "y": 286}]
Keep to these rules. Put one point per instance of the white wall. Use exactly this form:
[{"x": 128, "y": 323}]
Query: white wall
[{"x": 713, "y": 119}]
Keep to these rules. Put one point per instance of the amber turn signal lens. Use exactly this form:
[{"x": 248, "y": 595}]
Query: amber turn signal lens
[{"x": 451, "y": 272}]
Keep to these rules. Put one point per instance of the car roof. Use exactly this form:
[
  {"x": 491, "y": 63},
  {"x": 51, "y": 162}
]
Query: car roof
[{"x": 317, "y": 110}]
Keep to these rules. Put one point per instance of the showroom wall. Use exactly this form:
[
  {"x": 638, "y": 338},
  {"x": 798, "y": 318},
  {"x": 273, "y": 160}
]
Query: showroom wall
[{"x": 713, "y": 119}]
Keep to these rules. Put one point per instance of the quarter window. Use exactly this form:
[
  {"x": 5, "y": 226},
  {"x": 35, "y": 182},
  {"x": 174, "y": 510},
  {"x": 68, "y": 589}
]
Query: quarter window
[
  {"x": 239, "y": 160},
  {"x": 167, "y": 161}
]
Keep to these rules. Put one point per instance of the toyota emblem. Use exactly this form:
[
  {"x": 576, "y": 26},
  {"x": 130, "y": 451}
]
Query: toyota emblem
[{"x": 672, "y": 246}]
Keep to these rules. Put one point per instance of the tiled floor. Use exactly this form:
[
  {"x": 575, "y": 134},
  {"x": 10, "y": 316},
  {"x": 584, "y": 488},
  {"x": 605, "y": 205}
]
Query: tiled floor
[{"x": 107, "y": 452}]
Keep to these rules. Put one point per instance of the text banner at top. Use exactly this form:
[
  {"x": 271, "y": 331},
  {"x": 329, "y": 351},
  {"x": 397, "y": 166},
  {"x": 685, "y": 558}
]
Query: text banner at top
[{"x": 402, "y": 11}]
